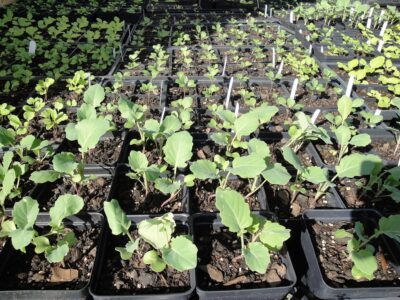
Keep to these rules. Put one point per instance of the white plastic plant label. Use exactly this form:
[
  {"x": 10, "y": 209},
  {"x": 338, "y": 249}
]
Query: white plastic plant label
[
  {"x": 114, "y": 54},
  {"x": 291, "y": 16},
  {"x": 280, "y": 69},
  {"x": 273, "y": 57},
  {"x": 398, "y": 164},
  {"x": 237, "y": 109},
  {"x": 224, "y": 68},
  {"x": 32, "y": 47},
  {"x": 89, "y": 79},
  {"x": 322, "y": 49},
  {"x": 315, "y": 116},
  {"x": 383, "y": 29},
  {"x": 371, "y": 11},
  {"x": 310, "y": 49},
  {"x": 270, "y": 12},
  {"x": 377, "y": 112},
  {"x": 380, "y": 46},
  {"x": 265, "y": 10},
  {"x": 294, "y": 88},
  {"x": 350, "y": 86},
  {"x": 369, "y": 23},
  {"x": 228, "y": 95},
  {"x": 381, "y": 16},
  {"x": 300, "y": 31},
  {"x": 162, "y": 115}
]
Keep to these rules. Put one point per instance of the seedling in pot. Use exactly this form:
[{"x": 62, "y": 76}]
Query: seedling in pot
[
  {"x": 56, "y": 243},
  {"x": 184, "y": 83},
  {"x": 346, "y": 107},
  {"x": 184, "y": 111},
  {"x": 134, "y": 115},
  {"x": 178, "y": 252},
  {"x": 258, "y": 236},
  {"x": 360, "y": 247},
  {"x": 79, "y": 82},
  {"x": 371, "y": 119},
  {"x": 43, "y": 86}
]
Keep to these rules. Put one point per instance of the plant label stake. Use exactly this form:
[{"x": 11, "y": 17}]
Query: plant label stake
[
  {"x": 270, "y": 12},
  {"x": 310, "y": 49},
  {"x": 32, "y": 47},
  {"x": 383, "y": 29},
  {"x": 380, "y": 46},
  {"x": 300, "y": 31},
  {"x": 120, "y": 52},
  {"x": 322, "y": 49},
  {"x": 280, "y": 69},
  {"x": 308, "y": 37},
  {"x": 294, "y": 88},
  {"x": 351, "y": 13},
  {"x": 161, "y": 90},
  {"x": 350, "y": 86},
  {"x": 162, "y": 115},
  {"x": 291, "y": 16},
  {"x": 89, "y": 80},
  {"x": 258, "y": 4},
  {"x": 228, "y": 96},
  {"x": 381, "y": 16},
  {"x": 315, "y": 116},
  {"x": 273, "y": 57},
  {"x": 224, "y": 68},
  {"x": 237, "y": 109},
  {"x": 114, "y": 52},
  {"x": 398, "y": 164},
  {"x": 371, "y": 11},
  {"x": 377, "y": 112},
  {"x": 369, "y": 22},
  {"x": 265, "y": 10}
]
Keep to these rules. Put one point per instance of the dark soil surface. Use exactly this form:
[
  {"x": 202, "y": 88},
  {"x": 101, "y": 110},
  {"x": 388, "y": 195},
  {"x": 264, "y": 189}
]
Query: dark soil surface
[
  {"x": 220, "y": 266},
  {"x": 127, "y": 277},
  {"x": 133, "y": 200},
  {"x": 106, "y": 152},
  {"x": 354, "y": 197},
  {"x": 336, "y": 266},
  {"x": 327, "y": 99},
  {"x": 329, "y": 153},
  {"x": 94, "y": 193},
  {"x": 279, "y": 200},
  {"x": 32, "y": 271},
  {"x": 204, "y": 195},
  {"x": 385, "y": 149}
]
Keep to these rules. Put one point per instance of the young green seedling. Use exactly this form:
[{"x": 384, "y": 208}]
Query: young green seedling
[
  {"x": 361, "y": 250},
  {"x": 183, "y": 111},
  {"x": 178, "y": 252},
  {"x": 258, "y": 236}
]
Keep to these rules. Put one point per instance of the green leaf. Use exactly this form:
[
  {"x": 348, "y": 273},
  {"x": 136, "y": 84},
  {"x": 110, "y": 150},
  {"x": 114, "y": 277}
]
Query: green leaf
[
  {"x": 181, "y": 254},
  {"x": 8, "y": 183},
  {"x": 249, "y": 166},
  {"x": 157, "y": 231},
  {"x": 265, "y": 112},
  {"x": 343, "y": 135},
  {"x": 170, "y": 125},
  {"x": 64, "y": 162},
  {"x": 156, "y": 263},
  {"x": 127, "y": 251},
  {"x": 341, "y": 234},
  {"x": 234, "y": 211},
  {"x": 41, "y": 243},
  {"x": 364, "y": 264},
  {"x": 259, "y": 147},
  {"x": 377, "y": 62},
  {"x": 357, "y": 165},
  {"x": 20, "y": 238},
  {"x": 204, "y": 169},
  {"x": 116, "y": 217},
  {"x": 178, "y": 149},
  {"x": 166, "y": 185},
  {"x": 361, "y": 140},
  {"x": 137, "y": 160},
  {"x": 6, "y": 137},
  {"x": 94, "y": 95},
  {"x": 344, "y": 106},
  {"x": 245, "y": 125},
  {"x": 89, "y": 132},
  {"x": 315, "y": 175},
  {"x": 6, "y": 227},
  {"x": 276, "y": 174},
  {"x": 25, "y": 213},
  {"x": 273, "y": 235},
  {"x": 390, "y": 226},
  {"x": 57, "y": 254},
  {"x": 44, "y": 176},
  {"x": 220, "y": 138},
  {"x": 290, "y": 156},
  {"x": 65, "y": 206},
  {"x": 257, "y": 257}
]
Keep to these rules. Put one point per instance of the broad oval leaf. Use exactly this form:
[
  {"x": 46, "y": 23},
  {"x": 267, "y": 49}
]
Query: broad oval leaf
[
  {"x": 234, "y": 211},
  {"x": 257, "y": 257},
  {"x": 137, "y": 160},
  {"x": 274, "y": 235},
  {"x": 157, "y": 231},
  {"x": 357, "y": 164},
  {"x": 25, "y": 213},
  {"x": 44, "y": 176},
  {"x": 20, "y": 238},
  {"x": 276, "y": 174},
  {"x": 249, "y": 166},
  {"x": 390, "y": 226},
  {"x": 181, "y": 254},
  {"x": 204, "y": 169},
  {"x": 64, "y": 162},
  {"x": 178, "y": 149},
  {"x": 89, "y": 132},
  {"x": 57, "y": 254},
  {"x": 65, "y": 206},
  {"x": 156, "y": 263},
  {"x": 245, "y": 124},
  {"x": 94, "y": 95},
  {"x": 259, "y": 148},
  {"x": 116, "y": 218}
]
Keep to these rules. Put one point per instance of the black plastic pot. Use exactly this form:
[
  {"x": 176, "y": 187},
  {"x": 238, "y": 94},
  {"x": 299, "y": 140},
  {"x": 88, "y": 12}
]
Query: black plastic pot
[
  {"x": 316, "y": 279},
  {"x": 79, "y": 221},
  {"x": 106, "y": 247},
  {"x": 121, "y": 170},
  {"x": 212, "y": 221}
]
